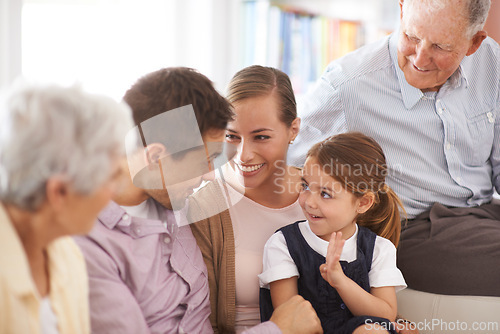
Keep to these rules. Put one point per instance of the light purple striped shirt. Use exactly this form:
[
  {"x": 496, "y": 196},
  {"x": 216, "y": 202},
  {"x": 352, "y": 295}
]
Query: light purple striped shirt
[
  {"x": 145, "y": 279},
  {"x": 442, "y": 147}
]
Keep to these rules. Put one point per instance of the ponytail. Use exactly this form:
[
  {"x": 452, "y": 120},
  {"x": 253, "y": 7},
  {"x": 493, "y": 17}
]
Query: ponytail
[{"x": 384, "y": 217}]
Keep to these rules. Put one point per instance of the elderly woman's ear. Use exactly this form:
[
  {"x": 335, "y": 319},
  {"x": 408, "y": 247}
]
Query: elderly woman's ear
[{"x": 56, "y": 192}]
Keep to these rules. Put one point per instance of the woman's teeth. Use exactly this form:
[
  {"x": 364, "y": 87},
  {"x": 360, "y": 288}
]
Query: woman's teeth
[{"x": 250, "y": 168}]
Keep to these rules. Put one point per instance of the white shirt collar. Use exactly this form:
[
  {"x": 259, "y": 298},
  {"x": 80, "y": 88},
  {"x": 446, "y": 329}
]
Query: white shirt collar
[{"x": 320, "y": 246}]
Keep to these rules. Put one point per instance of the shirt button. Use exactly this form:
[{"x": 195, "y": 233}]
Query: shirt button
[
  {"x": 459, "y": 179},
  {"x": 166, "y": 240},
  {"x": 440, "y": 111},
  {"x": 448, "y": 146},
  {"x": 125, "y": 217}
]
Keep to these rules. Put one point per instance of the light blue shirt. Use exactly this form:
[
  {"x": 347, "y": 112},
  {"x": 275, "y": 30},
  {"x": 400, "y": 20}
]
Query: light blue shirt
[{"x": 440, "y": 146}]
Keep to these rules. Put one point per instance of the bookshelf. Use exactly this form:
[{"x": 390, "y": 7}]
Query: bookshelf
[{"x": 301, "y": 37}]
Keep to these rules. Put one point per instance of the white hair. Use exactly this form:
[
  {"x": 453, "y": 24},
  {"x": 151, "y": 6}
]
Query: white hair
[
  {"x": 477, "y": 12},
  {"x": 51, "y": 131}
]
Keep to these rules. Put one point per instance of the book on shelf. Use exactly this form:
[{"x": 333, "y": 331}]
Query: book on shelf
[{"x": 299, "y": 43}]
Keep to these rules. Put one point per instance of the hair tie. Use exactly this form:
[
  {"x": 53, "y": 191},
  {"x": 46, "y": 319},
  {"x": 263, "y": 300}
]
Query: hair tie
[{"x": 384, "y": 188}]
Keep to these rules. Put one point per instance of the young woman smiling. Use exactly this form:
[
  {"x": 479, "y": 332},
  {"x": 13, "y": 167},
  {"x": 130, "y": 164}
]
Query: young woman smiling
[{"x": 232, "y": 242}]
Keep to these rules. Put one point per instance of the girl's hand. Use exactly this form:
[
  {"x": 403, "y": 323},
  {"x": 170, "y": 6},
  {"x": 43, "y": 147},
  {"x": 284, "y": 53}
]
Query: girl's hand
[{"x": 332, "y": 271}]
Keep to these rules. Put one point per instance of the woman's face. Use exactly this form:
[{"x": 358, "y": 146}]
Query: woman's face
[
  {"x": 81, "y": 210},
  {"x": 262, "y": 140}
]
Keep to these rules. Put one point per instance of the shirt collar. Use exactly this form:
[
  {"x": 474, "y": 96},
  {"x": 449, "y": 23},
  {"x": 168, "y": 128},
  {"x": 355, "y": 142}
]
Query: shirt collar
[
  {"x": 114, "y": 216},
  {"x": 410, "y": 94},
  {"x": 111, "y": 215}
]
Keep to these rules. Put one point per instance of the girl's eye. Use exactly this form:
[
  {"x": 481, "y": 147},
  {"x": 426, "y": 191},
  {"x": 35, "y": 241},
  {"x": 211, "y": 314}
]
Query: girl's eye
[
  {"x": 325, "y": 195},
  {"x": 304, "y": 186},
  {"x": 262, "y": 137}
]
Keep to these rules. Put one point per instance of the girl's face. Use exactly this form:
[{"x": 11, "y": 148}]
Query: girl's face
[
  {"x": 262, "y": 140},
  {"x": 327, "y": 205}
]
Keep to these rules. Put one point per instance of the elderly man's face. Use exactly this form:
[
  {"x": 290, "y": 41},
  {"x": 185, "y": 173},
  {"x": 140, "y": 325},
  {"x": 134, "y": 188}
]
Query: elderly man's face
[{"x": 432, "y": 43}]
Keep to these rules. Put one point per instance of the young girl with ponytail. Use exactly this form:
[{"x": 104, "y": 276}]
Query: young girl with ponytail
[{"x": 343, "y": 258}]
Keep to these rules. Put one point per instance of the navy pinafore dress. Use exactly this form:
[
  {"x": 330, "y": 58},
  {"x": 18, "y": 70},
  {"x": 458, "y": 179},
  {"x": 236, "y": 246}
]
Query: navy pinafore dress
[{"x": 334, "y": 315}]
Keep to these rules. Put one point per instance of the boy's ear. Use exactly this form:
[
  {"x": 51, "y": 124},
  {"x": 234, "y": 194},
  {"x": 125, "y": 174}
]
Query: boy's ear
[
  {"x": 154, "y": 152},
  {"x": 366, "y": 202}
]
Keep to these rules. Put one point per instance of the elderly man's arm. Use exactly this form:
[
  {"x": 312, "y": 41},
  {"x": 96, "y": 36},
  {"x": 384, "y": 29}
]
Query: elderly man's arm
[{"x": 495, "y": 154}]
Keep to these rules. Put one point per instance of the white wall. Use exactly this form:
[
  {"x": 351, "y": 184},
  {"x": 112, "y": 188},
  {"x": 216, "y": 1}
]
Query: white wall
[
  {"x": 107, "y": 44},
  {"x": 10, "y": 40}
]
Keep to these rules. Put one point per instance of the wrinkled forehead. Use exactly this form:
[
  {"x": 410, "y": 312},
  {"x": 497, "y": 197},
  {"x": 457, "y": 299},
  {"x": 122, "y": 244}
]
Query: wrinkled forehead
[
  {"x": 445, "y": 28},
  {"x": 435, "y": 13}
]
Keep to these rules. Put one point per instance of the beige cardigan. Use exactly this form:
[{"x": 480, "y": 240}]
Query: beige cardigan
[{"x": 215, "y": 238}]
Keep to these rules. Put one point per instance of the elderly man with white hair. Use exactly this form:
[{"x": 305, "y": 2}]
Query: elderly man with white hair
[
  {"x": 430, "y": 95},
  {"x": 59, "y": 157}
]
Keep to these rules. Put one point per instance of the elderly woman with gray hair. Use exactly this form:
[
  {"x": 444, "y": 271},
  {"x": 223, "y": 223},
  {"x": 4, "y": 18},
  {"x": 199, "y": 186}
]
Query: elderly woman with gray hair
[{"x": 59, "y": 156}]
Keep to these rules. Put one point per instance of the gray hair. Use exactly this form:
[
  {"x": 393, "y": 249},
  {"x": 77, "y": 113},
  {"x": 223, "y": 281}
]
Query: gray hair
[
  {"x": 51, "y": 131},
  {"x": 477, "y": 11}
]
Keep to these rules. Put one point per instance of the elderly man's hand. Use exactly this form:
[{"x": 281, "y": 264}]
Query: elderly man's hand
[{"x": 297, "y": 316}]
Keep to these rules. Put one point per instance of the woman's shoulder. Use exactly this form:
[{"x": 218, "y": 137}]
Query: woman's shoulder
[{"x": 209, "y": 201}]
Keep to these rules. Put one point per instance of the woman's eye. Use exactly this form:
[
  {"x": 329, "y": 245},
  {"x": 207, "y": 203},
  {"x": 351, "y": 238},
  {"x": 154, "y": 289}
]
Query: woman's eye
[
  {"x": 304, "y": 186},
  {"x": 262, "y": 137},
  {"x": 231, "y": 137},
  {"x": 325, "y": 195}
]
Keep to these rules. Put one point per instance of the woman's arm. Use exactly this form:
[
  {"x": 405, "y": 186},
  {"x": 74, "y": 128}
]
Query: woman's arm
[{"x": 201, "y": 231}]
